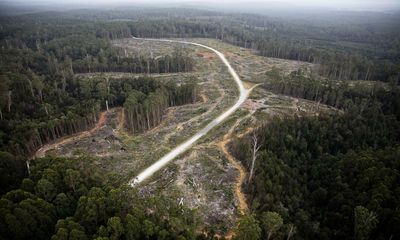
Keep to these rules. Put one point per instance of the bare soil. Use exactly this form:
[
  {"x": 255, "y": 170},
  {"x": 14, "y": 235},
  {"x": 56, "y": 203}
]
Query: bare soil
[{"x": 206, "y": 178}]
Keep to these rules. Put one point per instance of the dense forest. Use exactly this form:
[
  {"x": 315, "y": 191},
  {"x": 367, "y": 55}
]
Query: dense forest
[
  {"x": 65, "y": 200},
  {"x": 327, "y": 177}
]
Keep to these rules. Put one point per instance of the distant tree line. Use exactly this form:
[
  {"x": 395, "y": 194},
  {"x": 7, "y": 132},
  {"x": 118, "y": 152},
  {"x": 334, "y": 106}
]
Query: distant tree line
[
  {"x": 339, "y": 94},
  {"x": 358, "y": 51},
  {"x": 86, "y": 53},
  {"x": 275, "y": 39},
  {"x": 280, "y": 40}
]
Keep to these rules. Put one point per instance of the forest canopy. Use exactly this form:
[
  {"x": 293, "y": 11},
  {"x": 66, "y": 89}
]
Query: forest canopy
[{"x": 311, "y": 177}]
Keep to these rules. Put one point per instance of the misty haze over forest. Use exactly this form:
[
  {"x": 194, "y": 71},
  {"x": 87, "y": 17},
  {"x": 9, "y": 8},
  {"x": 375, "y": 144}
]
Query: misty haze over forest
[{"x": 273, "y": 7}]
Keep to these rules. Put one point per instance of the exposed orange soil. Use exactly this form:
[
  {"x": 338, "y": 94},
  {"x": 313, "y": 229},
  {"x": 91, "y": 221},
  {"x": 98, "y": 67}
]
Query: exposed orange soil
[
  {"x": 231, "y": 55},
  {"x": 243, "y": 207},
  {"x": 207, "y": 55},
  {"x": 241, "y": 178},
  {"x": 121, "y": 120},
  {"x": 204, "y": 97}
]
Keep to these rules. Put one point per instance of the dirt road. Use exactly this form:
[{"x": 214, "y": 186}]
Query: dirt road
[{"x": 146, "y": 173}]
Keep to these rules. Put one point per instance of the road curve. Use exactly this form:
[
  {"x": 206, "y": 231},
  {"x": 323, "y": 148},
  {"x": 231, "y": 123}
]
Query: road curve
[{"x": 188, "y": 143}]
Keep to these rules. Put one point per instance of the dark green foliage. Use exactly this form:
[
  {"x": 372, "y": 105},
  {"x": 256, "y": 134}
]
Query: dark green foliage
[
  {"x": 364, "y": 222},
  {"x": 69, "y": 229},
  {"x": 271, "y": 223},
  {"x": 12, "y": 171},
  {"x": 248, "y": 228},
  {"x": 25, "y": 216},
  {"x": 90, "y": 209},
  {"x": 314, "y": 172}
]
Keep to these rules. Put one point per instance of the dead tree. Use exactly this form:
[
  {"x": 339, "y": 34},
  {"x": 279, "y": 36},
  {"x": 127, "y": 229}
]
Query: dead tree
[
  {"x": 108, "y": 90},
  {"x": 292, "y": 231},
  {"x": 256, "y": 146},
  {"x": 9, "y": 101}
]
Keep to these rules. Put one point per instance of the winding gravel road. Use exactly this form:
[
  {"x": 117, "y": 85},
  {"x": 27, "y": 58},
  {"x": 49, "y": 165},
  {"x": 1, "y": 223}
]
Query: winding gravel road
[{"x": 188, "y": 143}]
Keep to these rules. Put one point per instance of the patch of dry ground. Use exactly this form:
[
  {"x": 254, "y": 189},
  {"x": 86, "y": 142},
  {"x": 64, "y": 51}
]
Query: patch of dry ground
[
  {"x": 102, "y": 142},
  {"x": 249, "y": 65},
  {"x": 72, "y": 138},
  {"x": 207, "y": 177},
  {"x": 240, "y": 179}
]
